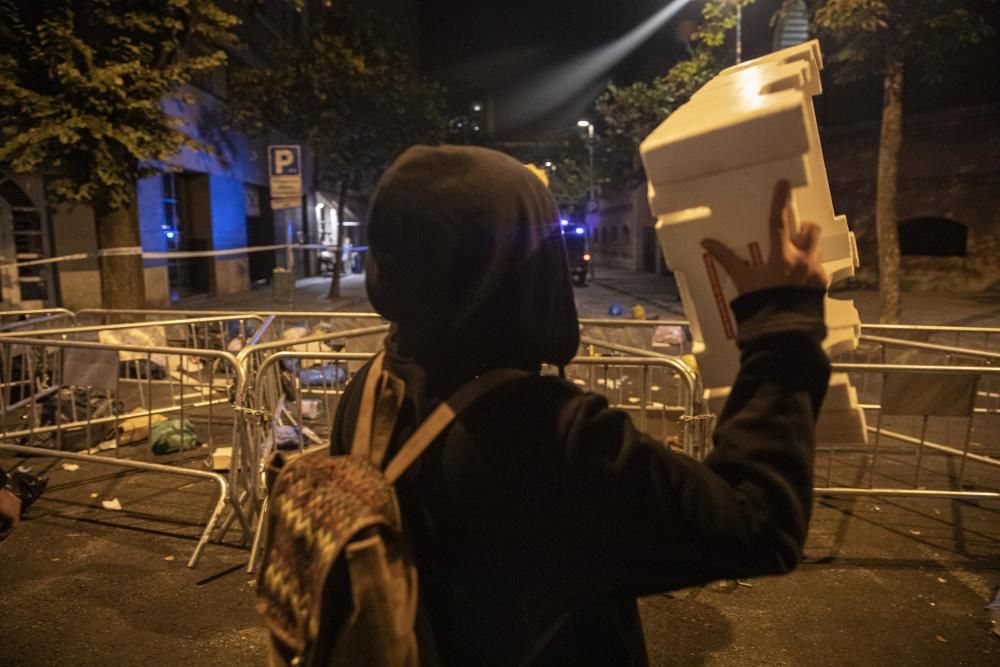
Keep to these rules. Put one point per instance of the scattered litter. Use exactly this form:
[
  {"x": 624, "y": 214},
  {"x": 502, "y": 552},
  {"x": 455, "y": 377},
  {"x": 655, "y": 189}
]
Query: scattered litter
[
  {"x": 327, "y": 376},
  {"x": 940, "y": 639},
  {"x": 610, "y": 384},
  {"x": 71, "y": 467},
  {"x": 102, "y": 447},
  {"x": 666, "y": 335},
  {"x": 579, "y": 382},
  {"x": 112, "y": 504},
  {"x": 252, "y": 582},
  {"x": 133, "y": 429},
  {"x": 655, "y": 387},
  {"x": 914, "y": 532},
  {"x": 188, "y": 486},
  {"x": 24, "y": 468},
  {"x": 633, "y": 399},
  {"x": 616, "y": 309},
  {"x": 93, "y": 495},
  {"x": 942, "y": 580},
  {"x": 311, "y": 408},
  {"x": 54, "y": 560},
  {"x": 169, "y": 558},
  {"x": 221, "y": 458},
  {"x": 173, "y": 435},
  {"x": 933, "y": 604},
  {"x": 877, "y": 508},
  {"x": 656, "y": 405},
  {"x": 937, "y": 511},
  {"x": 744, "y": 583}
]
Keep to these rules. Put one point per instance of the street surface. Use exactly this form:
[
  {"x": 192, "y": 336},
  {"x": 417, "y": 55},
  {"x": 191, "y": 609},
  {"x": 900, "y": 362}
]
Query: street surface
[{"x": 884, "y": 581}]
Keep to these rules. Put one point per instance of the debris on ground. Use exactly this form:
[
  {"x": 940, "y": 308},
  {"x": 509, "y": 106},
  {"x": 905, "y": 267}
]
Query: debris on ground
[{"x": 112, "y": 504}]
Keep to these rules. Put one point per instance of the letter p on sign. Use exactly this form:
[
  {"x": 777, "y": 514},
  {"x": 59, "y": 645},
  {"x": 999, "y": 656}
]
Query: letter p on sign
[{"x": 285, "y": 160}]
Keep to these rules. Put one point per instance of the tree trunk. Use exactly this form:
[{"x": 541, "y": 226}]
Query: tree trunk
[
  {"x": 338, "y": 262},
  {"x": 885, "y": 199},
  {"x": 123, "y": 283}
]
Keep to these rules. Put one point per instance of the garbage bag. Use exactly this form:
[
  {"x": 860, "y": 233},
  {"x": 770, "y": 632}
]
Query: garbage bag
[
  {"x": 172, "y": 436},
  {"x": 328, "y": 376}
]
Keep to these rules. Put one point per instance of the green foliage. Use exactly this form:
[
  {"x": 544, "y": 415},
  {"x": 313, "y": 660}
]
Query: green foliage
[
  {"x": 82, "y": 85},
  {"x": 569, "y": 180},
  {"x": 924, "y": 32},
  {"x": 629, "y": 113},
  {"x": 355, "y": 100}
]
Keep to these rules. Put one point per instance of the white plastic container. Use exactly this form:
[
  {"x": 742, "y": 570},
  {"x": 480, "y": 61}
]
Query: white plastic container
[{"x": 712, "y": 166}]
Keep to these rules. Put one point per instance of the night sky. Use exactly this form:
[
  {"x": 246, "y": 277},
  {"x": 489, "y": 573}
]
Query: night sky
[
  {"x": 505, "y": 50},
  {"x": 482, "y": 49}
]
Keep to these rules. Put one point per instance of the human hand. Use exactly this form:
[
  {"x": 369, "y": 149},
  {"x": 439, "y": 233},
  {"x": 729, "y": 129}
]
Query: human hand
[
  {"x": 792, "y": 261},
  {"x": 10, "y": 513}
]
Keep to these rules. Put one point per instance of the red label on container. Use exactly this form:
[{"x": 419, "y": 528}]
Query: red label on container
[{"x": 720, "y": 299}]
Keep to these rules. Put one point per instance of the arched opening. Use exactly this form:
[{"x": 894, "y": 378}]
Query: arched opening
[{"x": 932, "y": 237}]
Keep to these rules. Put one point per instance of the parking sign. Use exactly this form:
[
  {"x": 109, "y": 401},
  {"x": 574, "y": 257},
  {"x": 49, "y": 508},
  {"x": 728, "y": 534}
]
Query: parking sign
[{"x": 285, "y": 171}]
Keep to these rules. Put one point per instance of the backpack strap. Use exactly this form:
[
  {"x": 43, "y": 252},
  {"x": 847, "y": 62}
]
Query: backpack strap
[
  {"x": 443, "y": 415},
  {"x": 381, "y": 399}
]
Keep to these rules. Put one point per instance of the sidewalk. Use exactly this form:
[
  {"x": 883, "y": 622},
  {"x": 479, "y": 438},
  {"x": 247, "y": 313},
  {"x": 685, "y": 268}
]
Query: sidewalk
[
  {"x": 310, "y": 295},
  {"x": 932, "y": 308},
  {"x": 939, "y": 308}
]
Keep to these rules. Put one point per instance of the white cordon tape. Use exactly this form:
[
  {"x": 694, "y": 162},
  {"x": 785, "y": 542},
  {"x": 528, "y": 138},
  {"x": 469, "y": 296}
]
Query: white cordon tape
[
  {"x": 124, "y": 251},
  {"x": 176, "y": 254},
  {"x": 48, "y": 260},
  {"x": 183, "y": 254}
]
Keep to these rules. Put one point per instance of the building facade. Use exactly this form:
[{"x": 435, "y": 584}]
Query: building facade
[{"x": 208, "y": 208}]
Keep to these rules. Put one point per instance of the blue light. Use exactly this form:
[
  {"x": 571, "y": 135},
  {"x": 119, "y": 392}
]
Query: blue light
[
  {"x": 579, "y": 230},
  {"x": 564, "y": 222},
  {"x": 171, "y": 235}
]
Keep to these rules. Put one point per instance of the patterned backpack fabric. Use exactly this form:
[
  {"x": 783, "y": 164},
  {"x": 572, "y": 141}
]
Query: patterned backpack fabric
[{"x": 338, "y": 584}]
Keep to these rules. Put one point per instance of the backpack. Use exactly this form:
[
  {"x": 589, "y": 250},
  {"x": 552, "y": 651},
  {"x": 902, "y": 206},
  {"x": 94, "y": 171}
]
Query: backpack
[{"x": 338, "y": 584}]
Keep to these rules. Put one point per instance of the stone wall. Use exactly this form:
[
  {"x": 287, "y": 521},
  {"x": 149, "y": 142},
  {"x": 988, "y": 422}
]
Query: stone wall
[{"x": 948, "y": 169}]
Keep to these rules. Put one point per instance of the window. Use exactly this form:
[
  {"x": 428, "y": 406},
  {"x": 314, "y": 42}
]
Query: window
[
  {"x": 935, "y": 237},
  {"x": 793, "y": 25}
]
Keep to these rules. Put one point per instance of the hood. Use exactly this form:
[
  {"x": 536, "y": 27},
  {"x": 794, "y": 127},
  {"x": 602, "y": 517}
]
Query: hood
[{"x": 466, "y": 258}]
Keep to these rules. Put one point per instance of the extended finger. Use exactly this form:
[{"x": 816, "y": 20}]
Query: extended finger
[
  {"x": 807, "y": 239},
  {"x": 780, "y": 201},
  {"x": 730, "y": 261}
]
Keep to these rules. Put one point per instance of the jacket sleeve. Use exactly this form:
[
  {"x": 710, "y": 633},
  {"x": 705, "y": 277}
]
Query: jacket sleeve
[{"x": 662, "y": 520}]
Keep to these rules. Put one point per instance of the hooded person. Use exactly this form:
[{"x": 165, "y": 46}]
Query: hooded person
[{"x": 540, "y": 514}]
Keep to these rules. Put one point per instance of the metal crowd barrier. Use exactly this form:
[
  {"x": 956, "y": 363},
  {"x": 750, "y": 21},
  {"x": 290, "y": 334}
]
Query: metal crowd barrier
[
  {"x": 78, "y": 399},
  {"x": 986, "y": 339},
  {"x": 41, "y": 318},
  {"x": 932, "y": 435}
]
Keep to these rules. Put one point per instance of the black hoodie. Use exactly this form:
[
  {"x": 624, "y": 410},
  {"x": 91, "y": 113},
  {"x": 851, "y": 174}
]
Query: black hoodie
[{"x": 541, "y": 514}]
